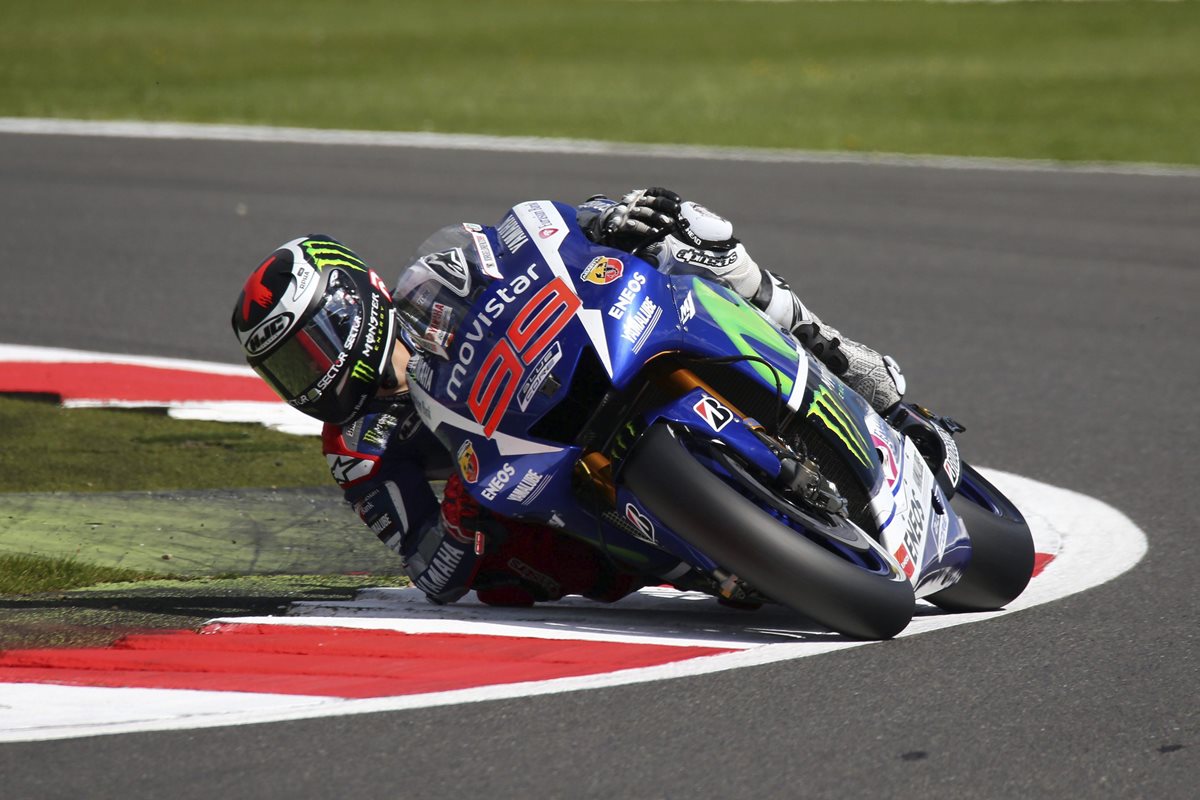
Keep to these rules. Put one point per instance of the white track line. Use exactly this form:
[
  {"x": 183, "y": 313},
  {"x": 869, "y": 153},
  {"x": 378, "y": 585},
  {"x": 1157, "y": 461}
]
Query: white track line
[
  {"x": 533, "y": 144},
  {"x": 1093, "y": 542}
]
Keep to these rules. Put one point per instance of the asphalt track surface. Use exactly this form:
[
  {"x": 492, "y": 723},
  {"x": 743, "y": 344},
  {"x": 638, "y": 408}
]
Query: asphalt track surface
[{"x": 1052, "y": 312}]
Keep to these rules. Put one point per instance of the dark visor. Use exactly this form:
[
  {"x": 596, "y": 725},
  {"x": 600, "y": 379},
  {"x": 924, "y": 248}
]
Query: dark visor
[{"x": 309, "y": 354}]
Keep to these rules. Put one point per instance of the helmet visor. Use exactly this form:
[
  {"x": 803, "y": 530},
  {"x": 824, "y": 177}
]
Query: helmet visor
[{"x": 314, "y": 350}]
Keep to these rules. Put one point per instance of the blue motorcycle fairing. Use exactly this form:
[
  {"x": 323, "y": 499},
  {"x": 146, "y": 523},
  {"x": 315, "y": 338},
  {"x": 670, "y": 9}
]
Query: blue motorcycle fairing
[
  {"x": 720, "y": 317},
  {"x": 708, "y": 418},
  {"x": 518, "y": 346},
  {"x": 916, "y": 523}
]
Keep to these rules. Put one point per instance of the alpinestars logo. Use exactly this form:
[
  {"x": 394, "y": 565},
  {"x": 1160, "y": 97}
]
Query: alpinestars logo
[{"x": 450, "y": 268}]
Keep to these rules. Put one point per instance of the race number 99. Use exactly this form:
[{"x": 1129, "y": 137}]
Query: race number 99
[{"x": 532, "y": 330}]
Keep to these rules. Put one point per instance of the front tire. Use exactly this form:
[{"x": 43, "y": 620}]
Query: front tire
[
  {"x": 782, "y": 563},
  {"x": 1002, "y": 557}
]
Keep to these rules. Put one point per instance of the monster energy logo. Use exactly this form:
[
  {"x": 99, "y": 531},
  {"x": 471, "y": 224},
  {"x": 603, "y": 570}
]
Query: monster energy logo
[
  {"x": 832, "y": 414},
  {"x": 324, "y": 254},
  {"x": 363, "y": 371},
  {"x": 624, "y": 438}
]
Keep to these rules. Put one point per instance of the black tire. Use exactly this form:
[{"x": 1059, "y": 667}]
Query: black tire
[
  {"x": 1002, "y": 556},
  {"x": 744, "y": 539}
]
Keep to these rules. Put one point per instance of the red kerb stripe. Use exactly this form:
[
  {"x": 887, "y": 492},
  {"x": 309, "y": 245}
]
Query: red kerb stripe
[
  {"x": 129, "y": 383},
  {"x": 327, "y": 661}
]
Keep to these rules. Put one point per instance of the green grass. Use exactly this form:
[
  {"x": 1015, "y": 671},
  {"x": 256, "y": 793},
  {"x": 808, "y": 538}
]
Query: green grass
[
  {"x": 1110, "y": 81},
  {"x": 53, "y": 542},
  {"x": 27, "y": 574},
  {"x": 47, "y": 448},
  {"x": 96, "y": 616}
]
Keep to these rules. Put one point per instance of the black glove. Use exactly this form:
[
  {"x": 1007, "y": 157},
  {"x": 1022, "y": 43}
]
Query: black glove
[{"x": 642, "y": 217}]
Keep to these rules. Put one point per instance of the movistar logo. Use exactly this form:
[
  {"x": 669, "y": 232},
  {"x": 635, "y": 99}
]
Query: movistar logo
[
  {"x": 829, "y": 410},
  {"x": 331, "y": 254}
]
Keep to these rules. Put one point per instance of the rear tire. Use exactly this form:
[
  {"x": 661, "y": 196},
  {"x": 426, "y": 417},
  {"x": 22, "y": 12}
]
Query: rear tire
[
  {"x": 743, "y": 538},
  {"x": 1002, "y": 557}
]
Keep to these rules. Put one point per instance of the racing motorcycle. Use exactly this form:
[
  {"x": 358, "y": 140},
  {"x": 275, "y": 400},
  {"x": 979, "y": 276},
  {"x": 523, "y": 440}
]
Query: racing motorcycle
[{"x": 669, "y": 423}]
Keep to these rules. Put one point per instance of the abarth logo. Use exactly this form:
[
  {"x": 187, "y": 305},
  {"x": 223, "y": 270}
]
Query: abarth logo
[
  {"x": 603, "y": 270},
  {"x": 468, "y": 462}
]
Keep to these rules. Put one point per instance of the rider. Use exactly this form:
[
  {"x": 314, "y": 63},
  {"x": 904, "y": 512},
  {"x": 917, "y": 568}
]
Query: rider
[{"x": 321, "y": 328}]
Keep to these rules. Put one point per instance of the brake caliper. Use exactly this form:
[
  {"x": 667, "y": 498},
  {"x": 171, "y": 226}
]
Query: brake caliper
[{"x": 803, "y": 478}]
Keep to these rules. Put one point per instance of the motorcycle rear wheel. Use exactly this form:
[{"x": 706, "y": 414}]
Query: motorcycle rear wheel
[{"x": 742, "y": 537}]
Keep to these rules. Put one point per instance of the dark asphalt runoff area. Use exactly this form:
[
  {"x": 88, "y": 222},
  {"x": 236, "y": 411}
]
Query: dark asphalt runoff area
[{"x": 1054, "y": 313}]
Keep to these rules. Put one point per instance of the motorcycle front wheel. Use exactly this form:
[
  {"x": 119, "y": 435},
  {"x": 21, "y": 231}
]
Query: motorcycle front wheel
[{"x": 752, "y": 540}]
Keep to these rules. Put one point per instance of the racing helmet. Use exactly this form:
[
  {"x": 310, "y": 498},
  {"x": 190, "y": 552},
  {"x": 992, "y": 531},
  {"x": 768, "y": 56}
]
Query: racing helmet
[{"x": 317, "y": 324}]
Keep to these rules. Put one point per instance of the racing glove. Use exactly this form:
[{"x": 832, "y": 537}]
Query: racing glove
[{"x": 641, "y": 217}]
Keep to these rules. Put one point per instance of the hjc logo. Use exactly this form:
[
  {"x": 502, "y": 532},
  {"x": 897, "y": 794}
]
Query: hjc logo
[{"x": 266, "y": 334}]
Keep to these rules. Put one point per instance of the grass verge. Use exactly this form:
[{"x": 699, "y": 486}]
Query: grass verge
[
  {"x": 26, "y": 574},
  {"x": 98, "y": 616},
  {"x": 48, "y": 448},
  {"x": 1107, "y": 81},
  {"x": 72, "y": 482}
]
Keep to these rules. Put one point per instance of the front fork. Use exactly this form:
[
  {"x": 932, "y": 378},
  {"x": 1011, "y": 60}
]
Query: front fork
[
  {"x": 799, "y": 476},
  {"x": 672, "y": 381}
]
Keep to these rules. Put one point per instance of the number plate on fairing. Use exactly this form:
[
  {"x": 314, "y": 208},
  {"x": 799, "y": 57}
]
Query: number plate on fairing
[{"x": 920, "y": 530}]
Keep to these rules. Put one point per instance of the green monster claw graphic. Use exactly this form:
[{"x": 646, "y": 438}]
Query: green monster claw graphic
[
  {"x": 744, "y": 327},
  {"x": 331, "y": 254},
  {"x": 363, "y": 371},
  {"x": 832, "y": 414}
]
